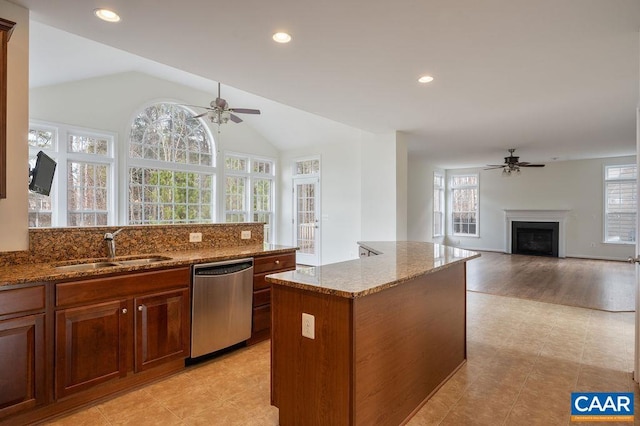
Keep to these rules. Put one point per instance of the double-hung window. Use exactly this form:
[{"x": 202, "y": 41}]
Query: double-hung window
[
  {"x": 249, "y": 191},
  {"x": 438, "y": 204},
  {"x": 82, "y": 191},
  {"x": 620, "y": 204},
  {"x": 464, "y": 204}
]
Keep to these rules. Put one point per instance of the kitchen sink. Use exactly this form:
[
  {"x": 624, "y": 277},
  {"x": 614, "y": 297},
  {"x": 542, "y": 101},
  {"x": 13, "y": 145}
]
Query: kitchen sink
[
  {"x": 141, "y": 261},
  {"x": 89, "y": 266}
]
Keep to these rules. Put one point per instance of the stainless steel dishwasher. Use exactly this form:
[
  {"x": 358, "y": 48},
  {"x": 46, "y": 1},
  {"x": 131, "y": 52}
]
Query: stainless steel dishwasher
[{"x": 221, "y": 300}]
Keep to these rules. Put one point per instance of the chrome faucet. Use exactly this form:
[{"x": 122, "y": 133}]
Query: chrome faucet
[{"x": 109, "y": 239}]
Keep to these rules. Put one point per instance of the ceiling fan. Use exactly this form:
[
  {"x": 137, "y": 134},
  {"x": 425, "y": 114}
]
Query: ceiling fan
[
  {"x": 220, "y": 113},
  {"x": 511, "y": 164}
]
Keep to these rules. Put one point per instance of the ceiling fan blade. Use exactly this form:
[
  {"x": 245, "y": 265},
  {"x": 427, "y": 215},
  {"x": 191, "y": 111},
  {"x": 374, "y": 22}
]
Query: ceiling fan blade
[
  {"x": 235, "y": 118},
  {"x": 531, "y": 165},
  {"x": 201, "y": 115},
  {"x": 493, "y": 167},
  {"x": 245, "y": 110},
  {"x": 197, "y": 106}
]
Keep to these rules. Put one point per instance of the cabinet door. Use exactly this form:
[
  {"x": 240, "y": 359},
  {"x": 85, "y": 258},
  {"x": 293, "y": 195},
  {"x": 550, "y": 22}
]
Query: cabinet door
[
  {"x": 91, "y": 345},
  {"x": 162, "y": 328},
  {"x": 22, "y": 363}
]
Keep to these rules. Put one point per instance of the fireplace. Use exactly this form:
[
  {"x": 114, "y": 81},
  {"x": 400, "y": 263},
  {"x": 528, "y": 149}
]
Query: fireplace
[
  {"x": 536, "y": 216},
  {"x": 535, "y": 238}
]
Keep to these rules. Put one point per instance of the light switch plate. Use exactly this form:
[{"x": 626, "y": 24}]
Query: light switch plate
[
  {"x": 195, "y": 237},
  {"x": 245, "y": 235},
  {"x": 308, "y": 326}
]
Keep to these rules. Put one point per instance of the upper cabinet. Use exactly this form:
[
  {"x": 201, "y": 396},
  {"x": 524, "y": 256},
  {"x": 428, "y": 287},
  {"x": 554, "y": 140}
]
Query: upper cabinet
[{"x": 6, "y": 28}]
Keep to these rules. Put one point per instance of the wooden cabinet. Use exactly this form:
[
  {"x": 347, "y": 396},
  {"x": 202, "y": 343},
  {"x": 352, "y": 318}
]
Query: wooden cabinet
[
  {"x": 110, "y": 328},
  {"x": 22, "y": 349},
  {"x": 91, "y": 345},
  {"x": 162, "y": 328},
  {"x": 263, "y": 266},
  {"x": 6, "y": 28}
]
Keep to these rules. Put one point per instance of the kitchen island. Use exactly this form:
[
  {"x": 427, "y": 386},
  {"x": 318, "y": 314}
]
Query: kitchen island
[{"x": 385, "y": 332}]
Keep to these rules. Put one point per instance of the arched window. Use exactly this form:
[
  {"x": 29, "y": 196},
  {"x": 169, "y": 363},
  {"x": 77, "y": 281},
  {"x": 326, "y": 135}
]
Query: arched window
[{"x": 171, "y": 167}]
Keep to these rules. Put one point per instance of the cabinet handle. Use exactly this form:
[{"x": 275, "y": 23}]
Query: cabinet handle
[
  {"x": 124, "y": 310},
  {"x": 140, "y": 308},
  {"x": 277, "y": 262}
]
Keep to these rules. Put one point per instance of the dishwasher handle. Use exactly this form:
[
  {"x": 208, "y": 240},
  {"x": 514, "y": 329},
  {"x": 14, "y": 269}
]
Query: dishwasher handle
[{"x": 222, "y": 268}]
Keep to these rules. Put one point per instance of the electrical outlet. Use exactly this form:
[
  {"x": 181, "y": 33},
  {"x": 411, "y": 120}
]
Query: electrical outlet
[
  {"x": 245, "y": 235},
  {"x": 195, "y": 237},
  {"x": 308, "y": 326}
]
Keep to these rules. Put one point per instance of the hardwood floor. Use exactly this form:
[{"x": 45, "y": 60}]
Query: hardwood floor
[{"x": 595, "y": 284}]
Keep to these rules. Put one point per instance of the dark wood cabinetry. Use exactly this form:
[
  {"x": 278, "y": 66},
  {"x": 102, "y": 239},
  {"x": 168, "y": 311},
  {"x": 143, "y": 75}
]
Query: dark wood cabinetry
[
  {"x": 6, "y": 28},
  {"x": 162, "y": 328},
  {"x": 91, "y": 346},
  {"x": 22, "y": 349},
  {"x": 263, "y": 266},
  {"x": 137, "y": 322}
]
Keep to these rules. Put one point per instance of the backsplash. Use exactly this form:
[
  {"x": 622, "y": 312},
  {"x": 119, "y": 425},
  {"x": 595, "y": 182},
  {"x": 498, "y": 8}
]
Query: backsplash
[{"x": 58, "y": 244}]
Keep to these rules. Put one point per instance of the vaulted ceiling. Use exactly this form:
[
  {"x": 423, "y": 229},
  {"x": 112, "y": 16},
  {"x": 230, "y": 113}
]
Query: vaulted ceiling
[{"x": 554, "y": 79}]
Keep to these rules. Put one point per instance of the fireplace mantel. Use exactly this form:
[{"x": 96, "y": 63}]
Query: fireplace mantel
[{"x": 559, "y": 216}]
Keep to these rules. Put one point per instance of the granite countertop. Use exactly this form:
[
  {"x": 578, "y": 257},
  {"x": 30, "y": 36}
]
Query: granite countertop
[
  {"x": 42, "y": 272},
  {"x": 397, "y": 262}
]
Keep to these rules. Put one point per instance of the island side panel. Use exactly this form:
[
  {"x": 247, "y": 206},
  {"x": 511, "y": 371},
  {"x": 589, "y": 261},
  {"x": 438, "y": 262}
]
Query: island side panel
[
  {"x": 311, "y": 380},
  {"x": 408, "y": 340}
]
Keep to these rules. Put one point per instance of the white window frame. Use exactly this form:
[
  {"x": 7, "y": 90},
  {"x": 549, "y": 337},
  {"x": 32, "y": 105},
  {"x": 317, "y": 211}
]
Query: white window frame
[
  {"x": 250, "y": 177},
  {"x": 438, "y": 200},
  {"x": 60, "y": 153},
  {"x": 452, "y": 188},
  {"x": 145, "y": 163},
  {"x": 606, "y": 182}
]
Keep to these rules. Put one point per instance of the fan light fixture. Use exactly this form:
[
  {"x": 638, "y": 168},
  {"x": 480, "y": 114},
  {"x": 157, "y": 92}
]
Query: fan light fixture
[
  {"x": 281, "y": 37},
  {"x": 107, "y": 15},
  {"x": 511, "y": 170},
  {"x": 425, "y": 79}
]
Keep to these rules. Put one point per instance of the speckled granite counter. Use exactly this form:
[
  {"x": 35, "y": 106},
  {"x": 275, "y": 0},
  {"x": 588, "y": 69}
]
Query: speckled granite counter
[
  {"x": 41, "y": 272},
  {"x": 397, "y": 262}
]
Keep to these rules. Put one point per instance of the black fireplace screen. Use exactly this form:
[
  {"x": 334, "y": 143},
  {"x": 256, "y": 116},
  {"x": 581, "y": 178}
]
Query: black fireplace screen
[{"x": 535, "y": 238}]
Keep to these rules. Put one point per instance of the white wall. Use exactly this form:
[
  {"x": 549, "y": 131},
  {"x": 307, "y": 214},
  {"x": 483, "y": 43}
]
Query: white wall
[
  {"x": 340, "y": 188},
  {"x": 13, "y": 209},
  {"x": 420, "y": 199},
  {"x": 572, "y": 185},
  {"x": 402, "y": 172},
  {"x": 110, "y": 103},
  {"x": 378, "y": 196}
]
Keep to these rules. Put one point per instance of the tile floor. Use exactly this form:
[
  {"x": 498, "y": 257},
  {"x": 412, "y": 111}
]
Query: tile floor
[{"x": 524, "y": 360}]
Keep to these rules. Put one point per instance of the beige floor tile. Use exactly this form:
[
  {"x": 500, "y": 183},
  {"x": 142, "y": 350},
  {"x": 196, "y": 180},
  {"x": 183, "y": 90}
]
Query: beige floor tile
[{"x": 524, "y": 359}]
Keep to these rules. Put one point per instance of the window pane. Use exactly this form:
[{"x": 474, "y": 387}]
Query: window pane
[
  {"x": 88, "y": 145},
  {"x": 87, "y": 193},
  {"x": 166, "y": 196},
  {"x": 620, "y": 203},
  {"x": 169, "y": 132},
  {"x": 464, "y": 204},
  {"x": 42, "y": 139},
  {"x": 307, "y": 167}
]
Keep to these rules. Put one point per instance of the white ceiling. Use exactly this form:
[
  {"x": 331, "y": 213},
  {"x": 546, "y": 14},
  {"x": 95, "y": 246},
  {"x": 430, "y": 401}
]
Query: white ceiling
[{"x": 552, "y": 78}]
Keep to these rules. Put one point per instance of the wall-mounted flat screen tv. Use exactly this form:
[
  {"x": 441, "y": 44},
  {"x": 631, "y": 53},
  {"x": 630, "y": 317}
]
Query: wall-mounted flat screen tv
[{"x": 42, "y": 174}]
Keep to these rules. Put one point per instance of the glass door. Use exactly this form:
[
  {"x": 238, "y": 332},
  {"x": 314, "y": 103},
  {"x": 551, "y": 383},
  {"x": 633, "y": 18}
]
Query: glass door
[{"x": 306, "y": 226}]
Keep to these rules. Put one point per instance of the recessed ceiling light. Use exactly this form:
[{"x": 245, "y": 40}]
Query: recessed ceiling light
[
  {"x": 107, "y": 15},
  {"x": 282, "y": 37},
  {"x": 425, "y": 79}
]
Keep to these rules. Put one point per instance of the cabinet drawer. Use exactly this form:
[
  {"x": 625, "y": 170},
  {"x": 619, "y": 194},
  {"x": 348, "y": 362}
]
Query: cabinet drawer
[
  {"x": 261, "y": 318},
  {"x": 121, "y": 286},
  {"x": 262, "y": 297},
  {"x": 279, "y": 262},
  {"x": 22, "y": 300}
]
